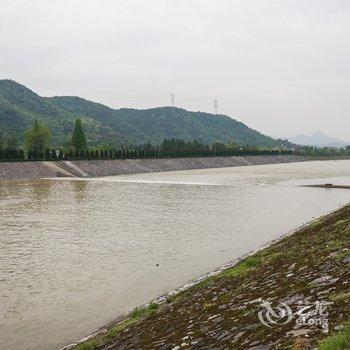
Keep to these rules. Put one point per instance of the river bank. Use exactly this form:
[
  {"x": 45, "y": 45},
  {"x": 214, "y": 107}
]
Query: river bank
[
  {"x": 95, "y": 168},
  {"x": 307, "y": 268}
]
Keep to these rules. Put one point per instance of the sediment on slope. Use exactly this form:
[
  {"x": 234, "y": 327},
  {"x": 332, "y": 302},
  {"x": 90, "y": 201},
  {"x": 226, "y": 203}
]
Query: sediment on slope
[
  {"x": 94, "y": 168},
  {"x": 308, "y": 268}
]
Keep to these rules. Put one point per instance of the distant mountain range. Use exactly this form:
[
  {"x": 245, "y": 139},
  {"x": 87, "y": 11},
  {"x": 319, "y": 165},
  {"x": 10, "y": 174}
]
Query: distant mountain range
[
  {"x": 19, "y": 106},
  {"x": 318, "y": 139}
]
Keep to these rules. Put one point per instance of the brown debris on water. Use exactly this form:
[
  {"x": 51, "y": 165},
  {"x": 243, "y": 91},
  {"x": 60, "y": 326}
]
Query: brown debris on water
[{"x": 329, "y": 186}]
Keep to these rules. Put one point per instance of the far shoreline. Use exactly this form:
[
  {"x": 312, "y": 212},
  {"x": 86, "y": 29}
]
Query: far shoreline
[{"x": 100, "y": 168}]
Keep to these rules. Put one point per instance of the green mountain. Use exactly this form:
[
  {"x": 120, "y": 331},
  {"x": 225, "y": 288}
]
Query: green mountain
[{"x": 19, "y": 106}]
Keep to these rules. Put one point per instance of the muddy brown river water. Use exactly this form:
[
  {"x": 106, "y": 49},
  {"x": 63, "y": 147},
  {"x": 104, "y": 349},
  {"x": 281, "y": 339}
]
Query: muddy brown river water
[{"x": 75, "y": 254}]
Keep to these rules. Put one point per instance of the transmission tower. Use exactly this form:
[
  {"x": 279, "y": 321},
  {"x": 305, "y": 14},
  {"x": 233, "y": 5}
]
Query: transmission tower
[
  {"x": 216, "y": 106},
  {"x": 172, "y": 99}
]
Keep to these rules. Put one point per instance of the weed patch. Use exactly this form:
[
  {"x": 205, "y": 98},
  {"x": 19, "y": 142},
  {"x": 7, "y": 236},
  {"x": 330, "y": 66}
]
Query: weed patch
[{"x": 340, "y": 341}]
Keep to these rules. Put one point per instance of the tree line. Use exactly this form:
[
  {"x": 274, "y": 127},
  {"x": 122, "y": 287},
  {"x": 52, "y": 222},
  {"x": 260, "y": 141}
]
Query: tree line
[
  {"x": 322, "y": 151},
  {"x": 38, "y": 146}
]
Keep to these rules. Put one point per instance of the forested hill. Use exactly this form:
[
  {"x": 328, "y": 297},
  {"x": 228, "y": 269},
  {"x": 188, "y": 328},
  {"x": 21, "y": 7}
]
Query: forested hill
[{"x": 19, "y": 106}]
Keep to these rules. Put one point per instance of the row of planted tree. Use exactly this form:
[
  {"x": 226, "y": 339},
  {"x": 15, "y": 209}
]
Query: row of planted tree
[
  {"x": 154, "y": 152},
  {"x": 37, "y": 146}
]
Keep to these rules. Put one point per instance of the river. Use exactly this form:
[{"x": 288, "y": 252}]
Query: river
[{"x": 75, "y": 254}]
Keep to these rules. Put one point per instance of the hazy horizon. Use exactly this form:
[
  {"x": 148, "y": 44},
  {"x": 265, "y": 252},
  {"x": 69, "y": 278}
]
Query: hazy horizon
[{"x": 281, "y": 67}]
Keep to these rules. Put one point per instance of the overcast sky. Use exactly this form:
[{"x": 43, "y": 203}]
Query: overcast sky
[{"x": 281, "y": 66}]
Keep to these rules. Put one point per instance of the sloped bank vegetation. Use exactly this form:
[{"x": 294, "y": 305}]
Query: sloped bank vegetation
[{"x": 310, "y": 266}]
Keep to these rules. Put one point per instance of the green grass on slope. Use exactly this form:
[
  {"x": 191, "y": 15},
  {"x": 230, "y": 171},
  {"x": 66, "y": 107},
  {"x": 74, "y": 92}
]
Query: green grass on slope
[{"x": 339, "y": 341}]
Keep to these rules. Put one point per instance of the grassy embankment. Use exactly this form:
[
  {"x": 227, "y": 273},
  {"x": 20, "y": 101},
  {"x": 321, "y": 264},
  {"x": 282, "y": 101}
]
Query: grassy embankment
[{"x": 221, "y": 312}]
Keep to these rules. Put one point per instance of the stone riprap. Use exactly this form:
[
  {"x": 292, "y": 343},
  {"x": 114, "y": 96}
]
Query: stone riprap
[
  {"x": 293, "y": 294},
  {"x": 31, "y": 170},
  {"x": 95, "y": 168}
]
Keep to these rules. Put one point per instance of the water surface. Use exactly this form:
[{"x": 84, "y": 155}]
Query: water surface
[{"x": 76, "y": 254}]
